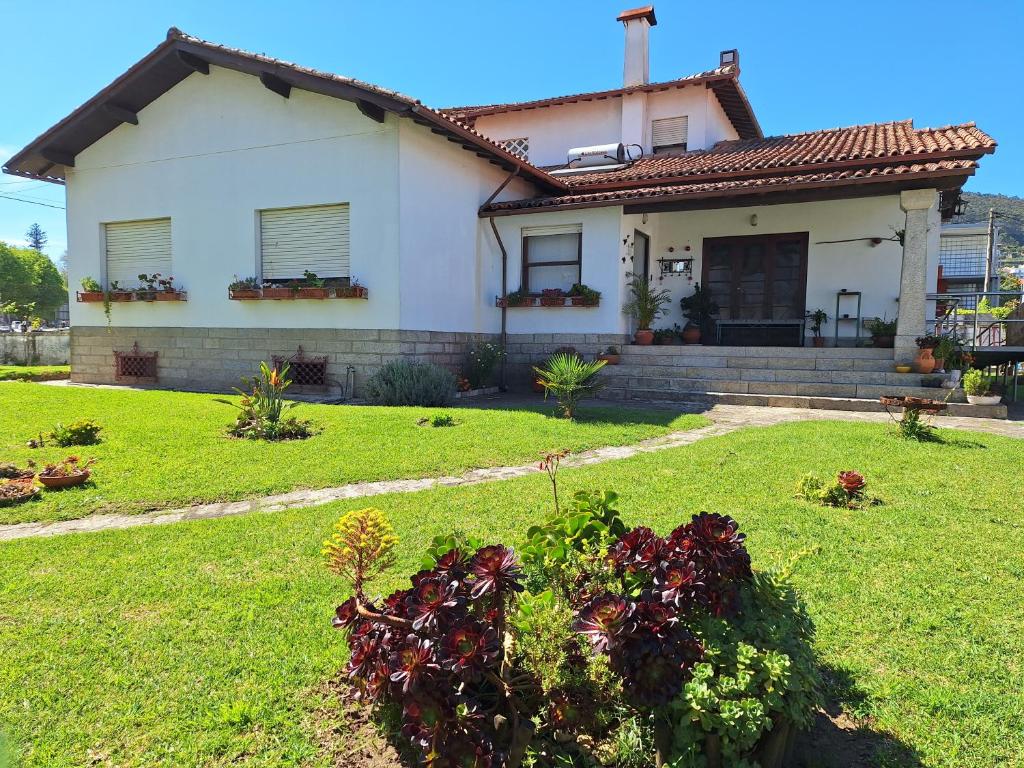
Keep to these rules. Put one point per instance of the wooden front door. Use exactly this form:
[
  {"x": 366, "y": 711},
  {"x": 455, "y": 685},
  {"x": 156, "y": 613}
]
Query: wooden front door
[{"x": 758, "y": 277}]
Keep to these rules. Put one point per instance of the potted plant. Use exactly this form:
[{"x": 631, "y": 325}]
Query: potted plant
[
  {"x": 147, "y": 288},
  {"x": 818, "y": 318},
  {"x": 311, "y": 287},
  {"x": 354, "y": 290},
  {"x": 945, "y": 352},
  {"x": 645, "y": 305},
  {"x": 168, "y": 291},
  {"x": 244, "y": 288},
  {"x": 552, "y": 297},
  {"x": 518, "y": 299},
  {"x": 978, "y": 388},
  {"x": 275, "y": 291},
  {"x": 581, "y": 295},
  {"x": 665, "y": 336},
  {"x": 17, "y": 490},
  {"x": 924, "y": 362},
  {"x": 699, "y": 309},
  {"x": 118, "y": 293},
  {"x": 70, "y": 471},
  {"x": 91, "y": 291},
  {"x": 883, "y": 333},
  {"x": 610, "y": 356}
]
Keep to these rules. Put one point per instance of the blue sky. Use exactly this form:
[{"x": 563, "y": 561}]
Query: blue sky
[{"x": 805, "y": 65}]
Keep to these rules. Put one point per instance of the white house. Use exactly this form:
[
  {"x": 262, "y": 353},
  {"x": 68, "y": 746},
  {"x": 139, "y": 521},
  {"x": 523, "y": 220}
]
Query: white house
[{"x": 213, "y": 164}]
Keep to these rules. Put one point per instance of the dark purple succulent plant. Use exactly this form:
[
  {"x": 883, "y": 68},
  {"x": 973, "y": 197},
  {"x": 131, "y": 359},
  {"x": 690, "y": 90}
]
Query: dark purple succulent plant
[
  {"x": 431, "y": 602},
  {"x": 715, "y": 543},
  {"x": 678, "y": 583},
  {"x": 495, "y": 570},
  {"x": 637, "y": 550},
  {"x": 604, "y": 620},
  {"x": 413, "y": 663},
  {"x": 469, "y": 648},
  {"x": 345, "y": 615}
]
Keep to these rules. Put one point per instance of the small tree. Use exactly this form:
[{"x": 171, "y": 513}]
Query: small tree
[
  {"x": 646, "y": 304},
  {"x": 36, "y": 237},
  {"x": 569, "y": 378}
]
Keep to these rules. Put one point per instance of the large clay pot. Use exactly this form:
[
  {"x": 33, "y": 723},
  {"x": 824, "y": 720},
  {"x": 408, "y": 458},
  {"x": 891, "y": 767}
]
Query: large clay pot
[
  {"x": 925, "y": 361},
  {"x": 644, "y": 337},
  {"x": 691, "y": 334}
]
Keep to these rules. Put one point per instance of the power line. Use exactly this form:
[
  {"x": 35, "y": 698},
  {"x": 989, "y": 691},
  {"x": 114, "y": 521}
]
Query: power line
[{"x": 31, "y": 202}]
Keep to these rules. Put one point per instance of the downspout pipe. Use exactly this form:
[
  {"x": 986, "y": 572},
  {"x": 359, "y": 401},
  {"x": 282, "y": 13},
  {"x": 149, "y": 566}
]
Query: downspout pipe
[{"x": 504, "y": 276}]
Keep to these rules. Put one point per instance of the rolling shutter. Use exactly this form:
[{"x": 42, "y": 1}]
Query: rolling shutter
[
  {"x": 294, "y": 240},
  {"x": 669, "y": 132},
  {"x": 137, "y": 247}
]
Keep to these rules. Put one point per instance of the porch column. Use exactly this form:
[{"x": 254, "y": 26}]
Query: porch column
[{"x": 912, "y": 319}]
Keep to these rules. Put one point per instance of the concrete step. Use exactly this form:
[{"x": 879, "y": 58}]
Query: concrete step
[
  {"x": 761, "y": 363},
  {"x": 700, "y": 350},
  {"x": 793, "y": 401},
  {"x": 622, "y": 372}
]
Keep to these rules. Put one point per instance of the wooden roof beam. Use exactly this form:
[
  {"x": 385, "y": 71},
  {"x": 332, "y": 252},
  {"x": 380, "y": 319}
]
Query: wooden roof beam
[
  {"x": 274, "y": 83},
  {"x": 193, "y": 62},
  {"x": 118, "y": 112},
  {"x": 58, "y": 156},
  {"x": 372, "y": 111}
]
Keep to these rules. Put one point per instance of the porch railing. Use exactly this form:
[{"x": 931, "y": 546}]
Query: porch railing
[{"x": 981, "y": 319}]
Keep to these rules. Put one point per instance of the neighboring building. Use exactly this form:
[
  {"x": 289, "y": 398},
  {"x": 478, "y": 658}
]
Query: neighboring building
[
  {"x": 963, "y": 252},
  {"x": 208, "y": 163}
]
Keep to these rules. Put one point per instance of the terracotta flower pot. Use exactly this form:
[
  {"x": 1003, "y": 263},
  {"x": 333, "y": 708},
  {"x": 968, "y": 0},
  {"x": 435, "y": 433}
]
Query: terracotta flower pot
[
  {"x": 691, "y": 334},
  {"x": 819, "y": 341},
  {"x": 170, "y": 296},
  {"x": 313, "y": 293},
  {"x": 145, "y": 295},
  {"x": 90, "y": 296},
  {"x": 278, "y": 293},
  {"x": 924, "y": 362},
  {"x": 243, "y": 293},
  {"x": 65, "y": 481},
  {"x": 644, "y": 337},
  {"x": 552, "y": 301},
  {"x": 609, "y": 359},
  {"x": 121, "y": 295}
]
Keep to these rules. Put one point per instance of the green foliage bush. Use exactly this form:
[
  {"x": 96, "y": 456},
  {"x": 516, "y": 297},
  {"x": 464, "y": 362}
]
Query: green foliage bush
[
  {"x": 481, "y": 361},
  {"x": 81, "y": 432},
  {"x": 261, "y": 410},
  {"x": 407, "y": 382},
  {"x": 569, "y": 378}
]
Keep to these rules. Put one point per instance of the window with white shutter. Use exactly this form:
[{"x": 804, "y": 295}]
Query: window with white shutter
[
  {"x": 296, "y": 240},
  {"x": 669, "y": 133},
  {"x": 552, "y": 257},
  {"x": 137, "y": 247}
]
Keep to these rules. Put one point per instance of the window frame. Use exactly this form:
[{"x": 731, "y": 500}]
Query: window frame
[
  {"x": 343, "y": 281},
  {"x": 683, "y": 146},
  {"x": 527, "y": 265}
]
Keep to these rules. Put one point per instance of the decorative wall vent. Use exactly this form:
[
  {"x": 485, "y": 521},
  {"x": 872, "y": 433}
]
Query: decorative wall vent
[
  {"x": 520, "y": 147},
  {"x": 305, "y": 370},
  {"x": 134, "y": 366}
]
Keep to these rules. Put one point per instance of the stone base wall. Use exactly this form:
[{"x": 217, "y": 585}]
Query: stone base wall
[
  {"x": 526, "y": 350},
  {"x": 215, "y": 359},
  {"x": 34, "y": 348}
]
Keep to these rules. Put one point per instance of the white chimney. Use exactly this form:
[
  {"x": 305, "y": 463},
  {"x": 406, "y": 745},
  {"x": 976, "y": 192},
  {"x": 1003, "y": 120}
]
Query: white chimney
[{"x": 638, "y": 23}]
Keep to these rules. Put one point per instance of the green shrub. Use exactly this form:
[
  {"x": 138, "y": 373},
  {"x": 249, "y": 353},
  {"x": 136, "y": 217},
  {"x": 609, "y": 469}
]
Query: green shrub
[
  {"x": 976, "y": 382},
  {"x": 480, "y": 363},
  {"x": 262, "y": 407},
  {"x": 406, "y": 382},
  {"x": 569, "y": 378},
  {"x": 81, "y": 432}
]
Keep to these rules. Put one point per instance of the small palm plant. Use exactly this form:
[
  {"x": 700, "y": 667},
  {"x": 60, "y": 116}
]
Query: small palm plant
[
  {"x": 569, "y": 378},
  {"x": 262, "y": 406}
]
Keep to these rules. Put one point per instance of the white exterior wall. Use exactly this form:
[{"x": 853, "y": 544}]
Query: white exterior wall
[
  {"x": 210, "y": 153},
  {"x": 855, "y": 266},
  {"x": 553, "y": 131},
  {"x": 449, "y": 258}
]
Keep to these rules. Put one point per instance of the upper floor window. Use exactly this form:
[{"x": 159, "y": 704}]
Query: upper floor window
[
  {"x": 309, "y": 239},
  {"x": 137, "y": 247},
  {"x": 668, "y": 134},
  {"x": 519, "y": 147},
  {"x": 552, "y": 257}
]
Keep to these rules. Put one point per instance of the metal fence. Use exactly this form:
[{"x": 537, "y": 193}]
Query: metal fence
[{"x": 981, "y": 319}]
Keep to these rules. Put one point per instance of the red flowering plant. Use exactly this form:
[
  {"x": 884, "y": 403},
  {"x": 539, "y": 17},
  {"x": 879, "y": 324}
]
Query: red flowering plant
[{"x": 848, "y": 490}]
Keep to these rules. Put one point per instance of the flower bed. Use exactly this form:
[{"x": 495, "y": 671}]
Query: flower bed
[{"x": 597, "y": 635}]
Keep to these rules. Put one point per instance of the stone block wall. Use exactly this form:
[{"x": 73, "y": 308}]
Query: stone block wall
[
  {"x": 526, "y": 350},
  {"x": 215, "y": 359},
  {"x": 35, "y": 348}
]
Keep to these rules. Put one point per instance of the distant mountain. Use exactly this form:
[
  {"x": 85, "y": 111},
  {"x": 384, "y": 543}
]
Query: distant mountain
[{"x": 1010, "y": 219}]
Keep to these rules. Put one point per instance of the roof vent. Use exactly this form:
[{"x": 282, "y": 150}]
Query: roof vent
[{"x": 730, "y": 57}]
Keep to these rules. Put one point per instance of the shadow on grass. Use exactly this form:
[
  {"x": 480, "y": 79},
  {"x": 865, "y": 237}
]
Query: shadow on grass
[
  {"x": 842, "y": 736},
  {"x": 591, "y": 412}
]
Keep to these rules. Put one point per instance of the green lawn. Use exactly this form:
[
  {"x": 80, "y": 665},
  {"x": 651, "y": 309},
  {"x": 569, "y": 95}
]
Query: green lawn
[
  {"x": 34, "y": 372},
  {"x": 203, "y": 644},
  {"x": 162, "y": 449}
]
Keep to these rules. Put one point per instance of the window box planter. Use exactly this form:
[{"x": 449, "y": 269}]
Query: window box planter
[
  {"x": 90, "y": 297},
  {"x": 238, "y": 294},
  {"x": 277, "y": 293},
  {"x": 122, "y": 295},
  {"x": 583, "y": 301},
  {"x": 552, "y": 301},
  {"x": 171, "y": 296},
  {"x": 312, "y": 293},
  {"x": 352, "y": 292}
]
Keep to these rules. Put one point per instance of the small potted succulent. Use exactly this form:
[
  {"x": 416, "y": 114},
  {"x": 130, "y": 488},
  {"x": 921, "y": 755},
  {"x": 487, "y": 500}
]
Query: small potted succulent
[
  {"x": 311, "y": 287},
  {"x": 645, "y": 305},
  {"x": 978, "y": 388},
  {"x": 818, "y": 318},
  {"x": 244, "y": 288},
  {"x": 581, "y": 295},
  {"x": 168, "y": 291},
  {"x": 147, "y": 288},
  {"x": 354, "y": 290},
  {"x": 699, "y": 309},
  {"x": 63, "y": 474},
  {"x": 552, "y": 297},
  {"x": 91, "y": 291},
  {"x": 611, "y": 355},
  {"x": 118, "y": 292},
  {"x": 883, "y": 333}
]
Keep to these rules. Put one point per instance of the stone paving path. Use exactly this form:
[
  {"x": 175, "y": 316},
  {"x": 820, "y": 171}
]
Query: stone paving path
[{"x": 725, "y": 418}]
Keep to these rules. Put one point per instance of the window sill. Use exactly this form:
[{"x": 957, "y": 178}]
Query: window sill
[
  {"x": 547, "y": 302},
  {"x": 97, "y": 297},
  {"x": 295, "y": 294}
]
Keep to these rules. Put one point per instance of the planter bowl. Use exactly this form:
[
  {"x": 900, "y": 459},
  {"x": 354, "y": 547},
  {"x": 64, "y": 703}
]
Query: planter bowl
[
  {"x": 313, "y": 293},
  {"x": 26, "y": 491},
  {"x": 984, "y": 399},
  {"x": 65, "y": 481},
  {"x": 121, "y": 295},
  {"x": 278, "y": 293},
  {"x": 691, "y": 335},
  {"x": 644, "y": 337},
  {"x": 552, "y": 301},
  {"x": 904, "y": 369}
]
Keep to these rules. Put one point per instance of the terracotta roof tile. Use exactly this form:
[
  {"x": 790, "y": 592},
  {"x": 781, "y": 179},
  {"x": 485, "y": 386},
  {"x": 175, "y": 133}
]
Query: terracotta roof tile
[
  {"x": 860, "y": 146},
  {"x": 957, "y": 167}
]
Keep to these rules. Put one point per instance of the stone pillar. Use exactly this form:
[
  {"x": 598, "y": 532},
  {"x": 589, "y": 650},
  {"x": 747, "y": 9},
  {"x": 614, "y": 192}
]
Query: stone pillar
[{"x": 912, "y": 319}]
